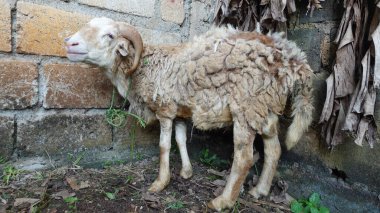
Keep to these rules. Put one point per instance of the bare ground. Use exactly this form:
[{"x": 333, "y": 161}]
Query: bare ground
[{"x": 123, "y": 188}]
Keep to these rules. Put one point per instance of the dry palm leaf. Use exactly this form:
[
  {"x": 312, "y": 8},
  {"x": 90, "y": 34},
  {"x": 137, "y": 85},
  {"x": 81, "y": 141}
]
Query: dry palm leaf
[
  {"x": 351, "y": 95},
  {"x": 250, "y": 15}
]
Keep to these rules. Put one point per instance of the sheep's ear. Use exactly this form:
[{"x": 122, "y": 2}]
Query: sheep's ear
[{"x": 123, "y": 48}]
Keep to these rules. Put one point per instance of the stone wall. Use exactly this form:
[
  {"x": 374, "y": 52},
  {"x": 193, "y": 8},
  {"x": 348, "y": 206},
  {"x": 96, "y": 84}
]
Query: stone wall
[
  {"x": 315, "y": 35},
  {"x": 51, "y": 108}
]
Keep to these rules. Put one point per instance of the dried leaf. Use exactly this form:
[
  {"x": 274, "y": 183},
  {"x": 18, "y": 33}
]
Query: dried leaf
[
  {"x": 338, "y": 134},
  {"x": 277, "y": 10},
  {"x": 264, "y": 2},
  {"x": 369, "y": 103},
  {"x": 344, "y": 71},
  {"x": 329, "y": 102},
  {"x": 371, "y": 133},
  {"x": 352, "y": 118},
  {"x": 348, "y": 36},
  {"x": 219, "y": 182},
  {"x": 63, "y": 194},
  {"x": 291, "y": 6},
  {"x": 362, "y": 129},
  {"x": 19, "y": 201},
  {"x": 73, "y": 182},
  {"x": 364, "y": 84},
  {"x": 376, "y": 41},
  {"x": 218, "y": 191},
  {"x": 152, "y": 200}
]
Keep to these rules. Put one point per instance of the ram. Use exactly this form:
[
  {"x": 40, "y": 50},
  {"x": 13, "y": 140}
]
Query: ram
[{"x": 222, "y": 78}]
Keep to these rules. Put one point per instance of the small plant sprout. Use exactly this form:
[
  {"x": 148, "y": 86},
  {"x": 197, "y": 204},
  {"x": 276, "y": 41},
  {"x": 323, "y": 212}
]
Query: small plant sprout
[
  {"x": 10, "y": 173},
  {"x": 72, "y": 202},
  {"x": 176, "y": 205},
  {"x": 38, "y": 175},
  {"x": 129, "y": 179},
  {"x": 76, "y": 160},
  {"x": 311, "y": 205},
  {"x": 2, "y": 159},
  {"x": 146, "y": 61},
  {"x": 212, "y": 160},
  {"x": 110, "y": 195}
]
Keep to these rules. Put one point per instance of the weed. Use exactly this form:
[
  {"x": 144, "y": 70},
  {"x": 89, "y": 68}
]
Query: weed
[
  {"x": 129, "y": 179},
  {"x": 118, "y": 117},
  {"x": 110, "y": 195},
  {"x": 176, "y": 205},
  {"x": 107, "y": 164},
  {"x": 38, "y": 176},
  {"x": 146, "y": 61},
  {"x": 10, "y": 173},
  {"x": 72, "y": 202},
  {"x": 75, "y": 160},
  {"x": 2, "y": 160},
  {"x": 213, "y": 177},
  {"x": 211, "y": 159},
  {"x": 236, "y": 207},
  {"x": 311, "y": 205}
]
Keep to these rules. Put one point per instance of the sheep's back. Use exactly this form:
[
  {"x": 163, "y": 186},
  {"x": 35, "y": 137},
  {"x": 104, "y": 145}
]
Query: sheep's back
[{"x": 229, "y": 75}]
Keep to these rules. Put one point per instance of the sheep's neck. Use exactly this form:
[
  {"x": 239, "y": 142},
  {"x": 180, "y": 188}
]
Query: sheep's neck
[{"x": 118, "y": 79}]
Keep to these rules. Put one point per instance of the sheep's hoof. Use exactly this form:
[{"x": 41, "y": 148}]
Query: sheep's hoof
[
  {"x": 220, "y": 203},
  {"x": 186, "y": 173},
  {"x": 158, "y": 185},
  {"x": 257, "y": 192}
]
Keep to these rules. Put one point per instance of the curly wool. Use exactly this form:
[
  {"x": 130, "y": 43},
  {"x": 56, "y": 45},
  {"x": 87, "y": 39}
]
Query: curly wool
[{"x": 221, "y": 76}]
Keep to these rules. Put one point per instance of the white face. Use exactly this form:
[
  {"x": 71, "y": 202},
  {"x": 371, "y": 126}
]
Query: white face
[{"x": 98, "y": 43}]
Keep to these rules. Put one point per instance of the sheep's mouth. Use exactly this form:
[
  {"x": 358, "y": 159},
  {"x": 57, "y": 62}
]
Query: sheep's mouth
[{"x": 76, "y": 53}]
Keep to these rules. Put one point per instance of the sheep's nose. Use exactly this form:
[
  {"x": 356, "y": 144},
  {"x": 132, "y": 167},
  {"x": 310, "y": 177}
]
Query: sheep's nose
[{"x": 68, "y": 43}]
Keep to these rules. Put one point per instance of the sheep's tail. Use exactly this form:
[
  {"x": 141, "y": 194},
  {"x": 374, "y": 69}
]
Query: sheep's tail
[{"x": 302, "y": 107}]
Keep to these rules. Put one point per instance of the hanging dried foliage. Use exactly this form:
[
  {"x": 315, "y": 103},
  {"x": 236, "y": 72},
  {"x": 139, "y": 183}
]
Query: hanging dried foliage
[
  {"x": 351, "y": 94},
  {"x": 259, "y": 15}
]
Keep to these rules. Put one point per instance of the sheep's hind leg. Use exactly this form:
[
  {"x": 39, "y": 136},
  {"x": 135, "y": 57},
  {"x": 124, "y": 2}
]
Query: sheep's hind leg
[
  {"x": 272, "y": 152},
  {"x": 180, "y": 136},
  {"x": 165, "y": 142},
  {"x": 242, "y": 162}
]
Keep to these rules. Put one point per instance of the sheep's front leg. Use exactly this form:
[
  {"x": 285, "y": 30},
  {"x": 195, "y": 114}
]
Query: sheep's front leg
[
  {"x": 243, "y": 161},
  {"x": 180, "y": 136},
  {"x": 165, "y": 142}
]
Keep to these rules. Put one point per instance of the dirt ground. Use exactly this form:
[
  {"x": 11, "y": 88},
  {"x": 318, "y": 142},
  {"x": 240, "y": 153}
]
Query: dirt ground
[{"x": 123, "y": 188}]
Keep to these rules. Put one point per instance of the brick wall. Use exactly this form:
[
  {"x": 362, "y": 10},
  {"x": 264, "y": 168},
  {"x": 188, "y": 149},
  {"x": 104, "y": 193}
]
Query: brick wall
[{"x": 52, "y": 107}]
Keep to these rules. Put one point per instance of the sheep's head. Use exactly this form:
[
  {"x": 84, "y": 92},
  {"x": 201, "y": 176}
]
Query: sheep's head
[{"x": 101, "y": 40}]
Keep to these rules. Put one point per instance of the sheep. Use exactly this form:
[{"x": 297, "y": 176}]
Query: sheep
[{"x": 221, "y": 78}]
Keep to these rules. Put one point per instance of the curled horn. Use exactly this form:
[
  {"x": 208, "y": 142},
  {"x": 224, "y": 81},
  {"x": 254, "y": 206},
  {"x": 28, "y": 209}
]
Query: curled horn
[{"x": 130, "y": 33}]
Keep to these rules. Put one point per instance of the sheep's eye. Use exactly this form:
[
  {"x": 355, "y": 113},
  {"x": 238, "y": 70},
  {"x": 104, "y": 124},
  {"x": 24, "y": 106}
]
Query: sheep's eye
[{"x": 110, "y": 35}]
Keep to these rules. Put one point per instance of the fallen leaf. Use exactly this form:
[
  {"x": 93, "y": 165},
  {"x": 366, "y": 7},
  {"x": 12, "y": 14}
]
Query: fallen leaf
[
  {"x": 84, "y": 184},
  {"x": 73, "y": 182},
  {"x": 219, "y": 182},
  {"x": 3, "y": 200},
  {"x": 218, "y": 191},
  {"x": 53, "y": 210},
  {"x": 152, "y": 200},
  {"x": 20, "y": 201},
  {"x": 63, "y": 194}
]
